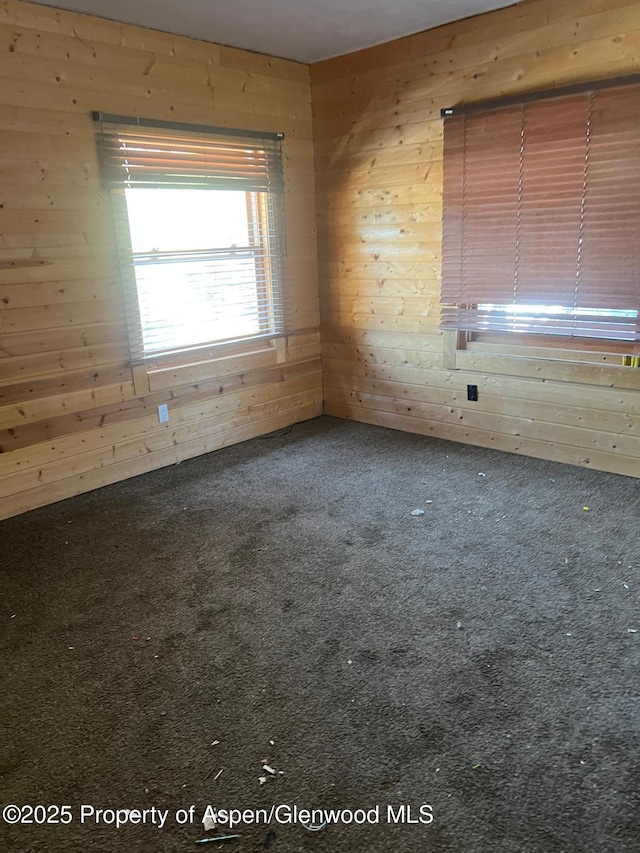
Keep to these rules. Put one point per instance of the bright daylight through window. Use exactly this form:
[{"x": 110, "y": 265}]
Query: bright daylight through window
[{"x": 198, "y": 227}]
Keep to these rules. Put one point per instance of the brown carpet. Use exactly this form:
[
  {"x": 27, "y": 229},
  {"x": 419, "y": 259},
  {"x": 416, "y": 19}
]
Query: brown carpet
[{"x": 280, "y": 598}]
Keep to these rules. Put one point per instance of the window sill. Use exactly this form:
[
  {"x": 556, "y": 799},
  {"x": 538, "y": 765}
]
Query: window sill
[
  {"x": 210, "y": 363},
  {"x": 546, "y": 359}
]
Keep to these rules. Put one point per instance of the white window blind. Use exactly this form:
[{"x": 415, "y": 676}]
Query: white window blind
[{"x": 199, "y": 231}]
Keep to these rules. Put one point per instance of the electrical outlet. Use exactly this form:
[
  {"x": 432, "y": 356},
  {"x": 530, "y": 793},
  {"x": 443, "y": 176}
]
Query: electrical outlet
[
  {"x": 163, "y": 413},
  {"x": 472, "y": 393}
]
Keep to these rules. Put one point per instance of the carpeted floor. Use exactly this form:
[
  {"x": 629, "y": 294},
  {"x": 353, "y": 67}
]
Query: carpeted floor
[{"x": 276, "y": 603}]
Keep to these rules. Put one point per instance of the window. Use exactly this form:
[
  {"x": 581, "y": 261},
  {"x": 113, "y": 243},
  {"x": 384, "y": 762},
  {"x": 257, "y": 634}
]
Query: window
[
  {"x": 541, "y": 222},
  {"x": 198, "y": 216}
]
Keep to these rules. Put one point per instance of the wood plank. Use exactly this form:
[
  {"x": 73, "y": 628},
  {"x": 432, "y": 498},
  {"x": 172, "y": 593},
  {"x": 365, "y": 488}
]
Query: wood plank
[
  {"x": 425, "y": 358},
  {"x": 90, "y": 225},
  {"x": 47, "y": 122},
  {"x": 399, "y": 214},
  {"x": 612, "y": 376},
  {"x": 452, "y": 341},
  {"x": 46, "y": 317},
  {"x": 23, "y": 344},
  {"x": 15, "y": 415},
  {"x": 189, "y": 374},
  {"x": 83, "y": 268},
  {"x": 336, "y": 292},
  {"x": 383, "y": 322},
  {"x": 386, "y": 339},
  {"x": 59, "y": 386},
  {"x": 36, "y": 294},
  {"x": 19, "y": 368},
  {"x": 569, "y": 349}
]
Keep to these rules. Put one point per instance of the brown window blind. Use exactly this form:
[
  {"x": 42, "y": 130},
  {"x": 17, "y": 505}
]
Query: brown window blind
[
  {"x": 541, "y": 219},
  {"x": 199, "y": 230}
]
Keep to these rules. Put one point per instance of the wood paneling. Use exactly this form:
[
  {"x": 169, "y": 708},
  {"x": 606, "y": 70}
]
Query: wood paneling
[
  {"x": 378, "y": 141},
  {"x": 72, "y": 414}
]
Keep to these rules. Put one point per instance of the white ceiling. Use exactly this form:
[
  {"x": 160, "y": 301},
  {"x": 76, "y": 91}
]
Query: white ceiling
[{"x": 305, "y": 30}]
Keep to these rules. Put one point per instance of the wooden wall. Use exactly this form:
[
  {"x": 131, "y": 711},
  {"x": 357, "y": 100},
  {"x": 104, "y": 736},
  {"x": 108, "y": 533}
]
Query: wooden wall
[
  {"x": 378, "y": 142},
  {"x": 72, "y": 414}
]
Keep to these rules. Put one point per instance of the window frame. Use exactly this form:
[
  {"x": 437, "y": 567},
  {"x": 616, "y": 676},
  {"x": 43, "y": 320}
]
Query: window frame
[{"x": 267, "y": 242}]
